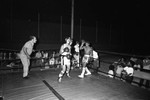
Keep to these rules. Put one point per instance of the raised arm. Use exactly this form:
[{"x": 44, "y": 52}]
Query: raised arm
[{"x": 82, "y": 44}]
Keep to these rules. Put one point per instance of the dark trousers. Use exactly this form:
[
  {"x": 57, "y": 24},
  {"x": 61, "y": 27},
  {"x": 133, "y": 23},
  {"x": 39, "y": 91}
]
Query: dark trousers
[{"x": 129, "y": 79}]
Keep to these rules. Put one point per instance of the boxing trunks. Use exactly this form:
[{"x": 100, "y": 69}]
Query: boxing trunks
[
  {"x": 85, "y": 58},
  {"x": 65, "y": 59}
]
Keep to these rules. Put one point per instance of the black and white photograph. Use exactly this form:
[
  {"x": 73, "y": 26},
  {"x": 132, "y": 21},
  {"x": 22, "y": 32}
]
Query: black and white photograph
[{"x": 74, "y": 50}]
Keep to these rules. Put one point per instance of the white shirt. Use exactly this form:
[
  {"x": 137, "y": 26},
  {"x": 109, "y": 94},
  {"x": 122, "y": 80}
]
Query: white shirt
[
  {"x": 29, "y": 46},
  {"x": 119, "y": 70},
  {"x": 129, "y": 70},
  {"x": 95, "y": 55},
  {"x": 76, "y": 48},
  {"x": 110, "y": 74},
  {"x": 38, "y": 55}
]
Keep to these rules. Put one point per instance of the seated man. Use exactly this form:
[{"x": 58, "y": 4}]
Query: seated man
[
  {"x": 127, "y": 73},
  {"x": 138, "y": 64},
  {"x": 39, "y": 62},
  {"x": 111, "y": 71},
  {"x": 119, "y": 70},
  {"x": 146, "y": 64}
]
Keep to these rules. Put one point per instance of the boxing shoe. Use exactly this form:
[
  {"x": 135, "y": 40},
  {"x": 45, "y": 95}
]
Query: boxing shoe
[
  {"x": 59, "y": 79},
  {"x": 88, "y": 74},
  {"x": 68, "y": 75},
  {"x": 26, "y": 77},
  {"x": 80, "y": 76}
]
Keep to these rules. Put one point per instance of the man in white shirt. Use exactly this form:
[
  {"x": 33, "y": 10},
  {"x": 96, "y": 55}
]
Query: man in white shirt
[
  {"x": 95, "y": 55},
  {"x": 128, "y": 72},
  {"x": 76, "y": 55},
  {"x": 95, "y": 60},
  {"x": 25, "y": 53}
]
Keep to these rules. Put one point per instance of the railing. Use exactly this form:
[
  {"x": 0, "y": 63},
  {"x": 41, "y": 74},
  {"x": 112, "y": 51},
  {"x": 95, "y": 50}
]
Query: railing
[
  {"x": 105, "y": 59},
  {"x": 9, "y": 59},
  {"x": 11, "y": 56},
  {"x": 140, "y": 77}
]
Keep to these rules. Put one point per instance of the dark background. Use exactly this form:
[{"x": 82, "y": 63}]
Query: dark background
[{"x": 111, "y": 25}]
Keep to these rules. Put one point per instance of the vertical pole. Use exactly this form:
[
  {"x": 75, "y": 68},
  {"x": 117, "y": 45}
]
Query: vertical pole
[
  {"x": 80, "y": 29},
  {"x": 61, "y": 25},
  {"x": 38, "y": 25},
  {"x": 72, "y": 19},
  {"x": 11, "y": 20}
]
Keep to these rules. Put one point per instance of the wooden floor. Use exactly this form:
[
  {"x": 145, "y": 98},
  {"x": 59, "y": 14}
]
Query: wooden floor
[{"x": 43, "y": 85}]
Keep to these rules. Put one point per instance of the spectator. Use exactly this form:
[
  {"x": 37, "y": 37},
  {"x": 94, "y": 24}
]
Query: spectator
[
  {"x": 52, "y": 59},
  {"x": 138, "y": 64},
  {"x": 119, "y": 70},
  {"x": 122, "y": 61},
  {"x": 127, "y": 72},
  {"x": 38, "y": 55},
  {"x": 111, "y": 71},
  {"x": 95, "y": 61}
]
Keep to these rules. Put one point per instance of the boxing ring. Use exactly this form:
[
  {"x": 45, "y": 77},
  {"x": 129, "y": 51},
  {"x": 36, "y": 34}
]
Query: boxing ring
[{"x": 43, "y": 85}]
